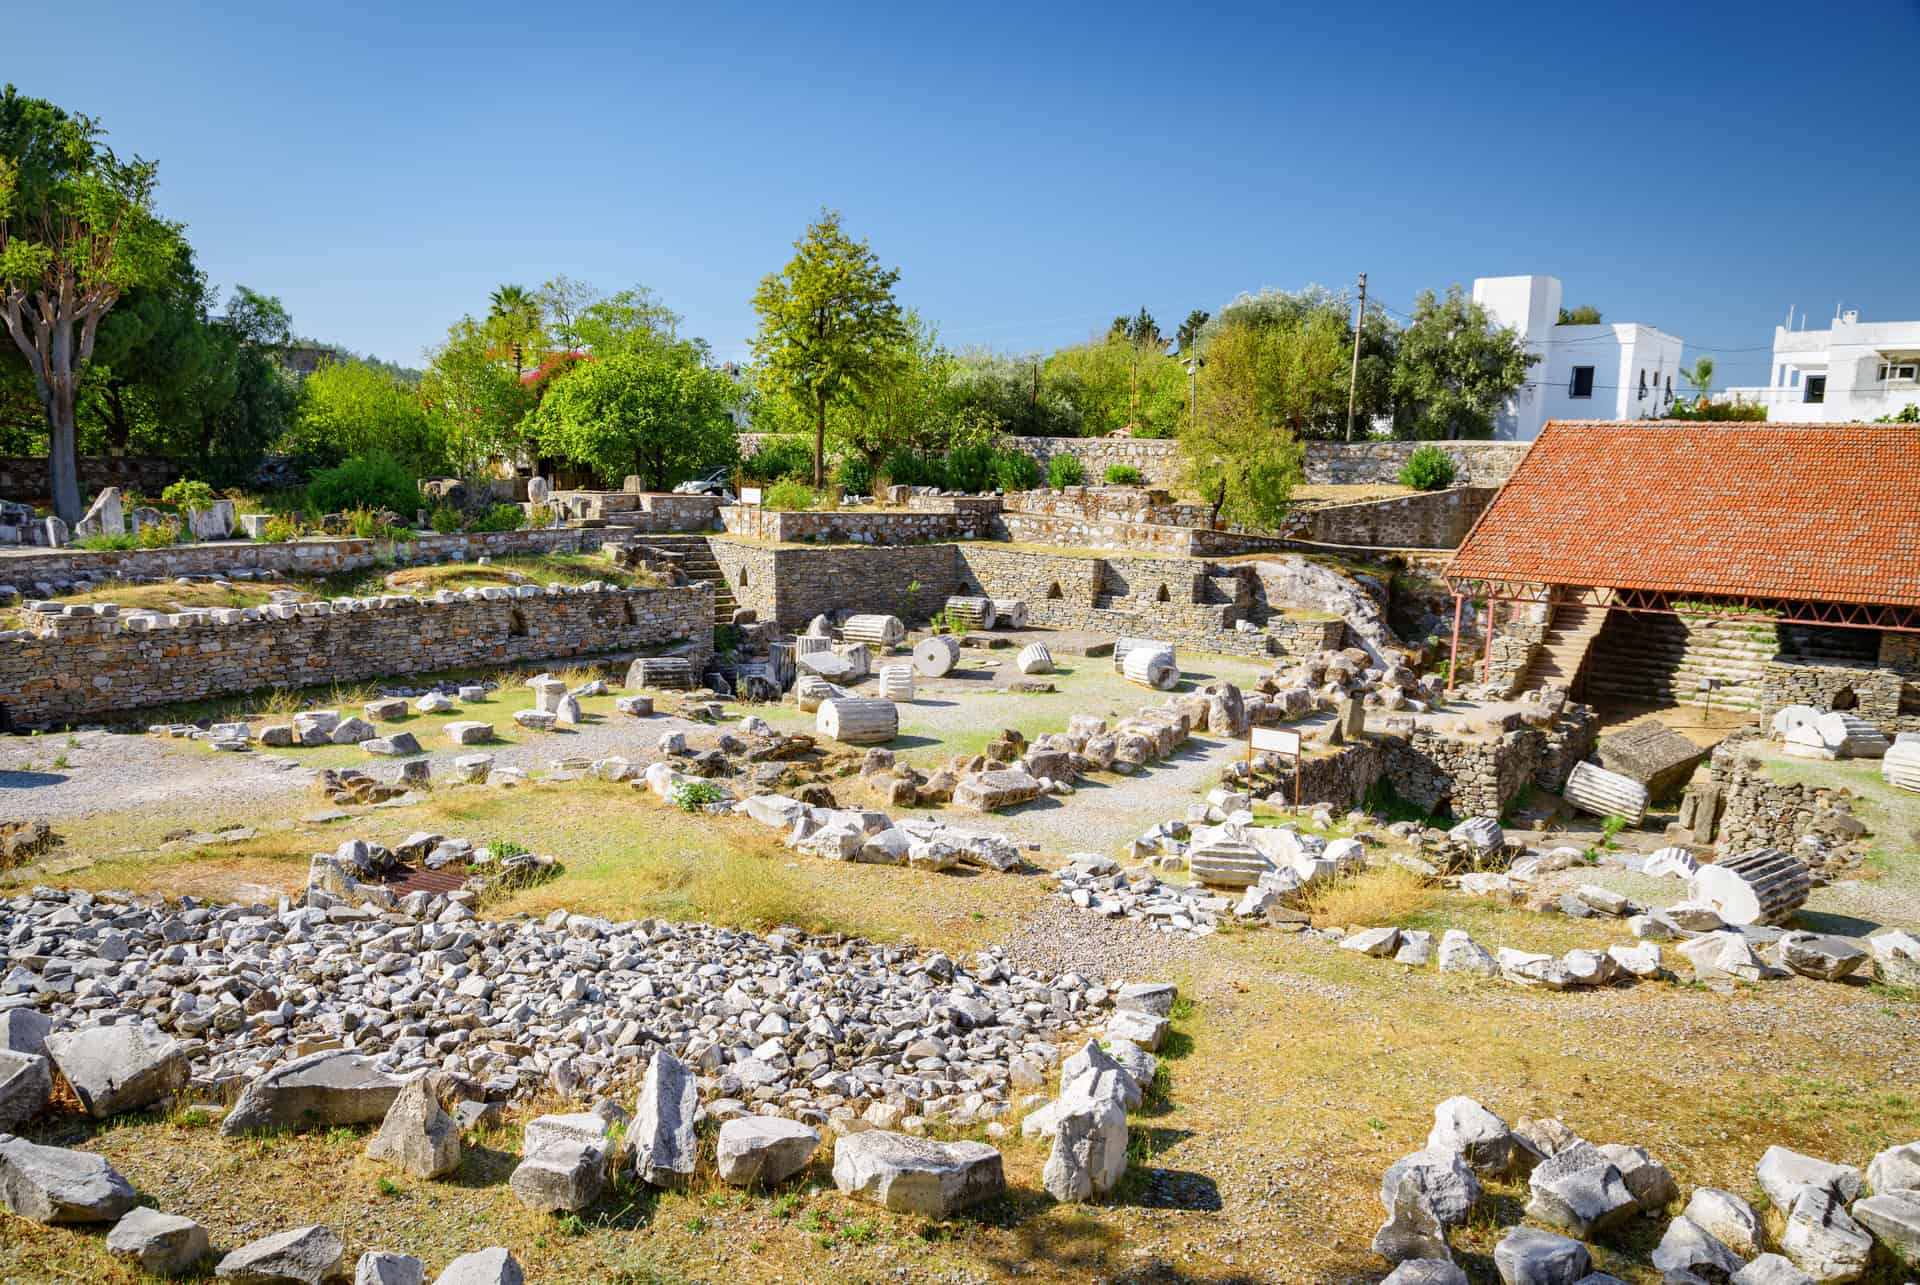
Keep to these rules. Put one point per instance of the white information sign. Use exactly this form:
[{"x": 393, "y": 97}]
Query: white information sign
[
  {"x": 749, "y": 495},
  {"x": 1276, "y": 740}
]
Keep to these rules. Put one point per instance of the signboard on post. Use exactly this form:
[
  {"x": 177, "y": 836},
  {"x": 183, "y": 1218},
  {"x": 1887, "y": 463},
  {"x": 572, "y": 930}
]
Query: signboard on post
[
  {"x": 1278, "y": 740},
  {"x": 749, "y": 495}
]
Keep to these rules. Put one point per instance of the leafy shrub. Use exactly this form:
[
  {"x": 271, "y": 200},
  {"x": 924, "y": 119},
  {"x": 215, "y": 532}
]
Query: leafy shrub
[
  {"x": 1428, "y": 469},
  {"x": 914, "y": 468},
  {"x": 501, "y": 517},
  {"x": 855, "y": 476},
  {"x": 276, "y": 530},
  {"x": 540, "y": 515},
  {"x": 161, "y": 535},
  {"x": 789, "y": 495},
  {"x": 1736, "y": 410},
  {"x": 372, "y": 524},
  {"x": 691, "y": 796},
  {"x": 185, "y": 494},
  {"x": 1015, "y": 471},
  {"x": 106, "y": 543},
  {"x": 446, "y": 520},
  {"x": 970, "y": 467},
  {"x": 780, "y": 457},
  {"x": 1123, "y": 475},
  {"x": 1064, "y": 471},
  {"x": 365, "y": 482}
]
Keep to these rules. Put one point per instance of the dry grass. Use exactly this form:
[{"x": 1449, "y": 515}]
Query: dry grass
[
  {"x": 552, "y": 569},
  {"x": 1379, "y": 896}
]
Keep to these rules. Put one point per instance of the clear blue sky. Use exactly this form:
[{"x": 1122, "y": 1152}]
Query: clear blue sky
[{"x": 1031, "y": 169}]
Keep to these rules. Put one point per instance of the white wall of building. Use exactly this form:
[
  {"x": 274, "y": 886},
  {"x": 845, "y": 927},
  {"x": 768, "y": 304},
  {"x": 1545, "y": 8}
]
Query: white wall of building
[
  {"x": 1614, "y": 370},
  {"x": 1853, "y": 371}
]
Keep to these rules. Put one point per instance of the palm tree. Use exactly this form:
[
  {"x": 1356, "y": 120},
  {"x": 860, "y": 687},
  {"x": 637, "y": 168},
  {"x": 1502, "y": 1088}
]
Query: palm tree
[
  {"x": 514, "y": 320},
  {"x": 1701, "y": 377}
]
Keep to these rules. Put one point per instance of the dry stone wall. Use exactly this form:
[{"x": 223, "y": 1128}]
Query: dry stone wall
[
  {"x": 858, "y": 526},
  {"x": 1872, "y": 692},
  {"x": 793, "y": 585},
  {"x": 1430, "y": 520},
  {"x": 1758, "y": 813},
  {"x": 24, "y": 477},
  {"x": 81, "y": 665},
  {"x": 1375, "y": 463}
]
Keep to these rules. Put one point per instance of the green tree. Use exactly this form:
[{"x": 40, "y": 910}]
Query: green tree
[
  {"x": 1235, "y": 456},
  {"x": 829, "y": 326},
  {"x": 1144, "y": 342},
  {"x": 349, "y": 409},
  {"x": 1701, "y": 377},
  {"x": 1189, "y": 333},
  {"x": 1018, "y": 393},
  {"x": 1585, "y": 315},
  {"x": 1455, "y": 368},
  {"x": 629, "y": 321},
  {"x": 1113, "y": 389},
  {"x": 904, "y": 403},
  {"x": 514, "y": 324},
  {"x": 645, "y": 413},
  {"x": 480, "y": 404},
  {"x": 77, "y": 230},
  {"x": 1324, "y": 316}
]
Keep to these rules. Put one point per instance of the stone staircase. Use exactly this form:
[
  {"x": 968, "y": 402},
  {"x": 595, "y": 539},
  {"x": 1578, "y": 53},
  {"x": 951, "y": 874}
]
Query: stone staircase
[
  {"x": 1646, "y": 658},
  {"x": 695, "y": 556},
  {"x": 1563, "y": 652}
]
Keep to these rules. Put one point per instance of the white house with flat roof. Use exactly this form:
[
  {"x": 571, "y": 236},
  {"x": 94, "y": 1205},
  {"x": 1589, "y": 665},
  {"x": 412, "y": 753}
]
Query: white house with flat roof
[
  {"x": 1852, "y": 372},
  {"x": 1610, "y": 371}
]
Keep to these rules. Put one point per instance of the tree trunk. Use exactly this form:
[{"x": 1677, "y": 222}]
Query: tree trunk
[
  {"x": 63, "y": 464},
  {"x": 819, "y": 440}
]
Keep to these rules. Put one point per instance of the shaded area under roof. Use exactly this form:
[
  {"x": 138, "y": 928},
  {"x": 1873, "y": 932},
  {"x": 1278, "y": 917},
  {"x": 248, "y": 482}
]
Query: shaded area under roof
[{"x": 1817, "y": 512}]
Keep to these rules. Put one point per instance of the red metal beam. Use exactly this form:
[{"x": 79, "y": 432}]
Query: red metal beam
[{"x": 1839, "y": 615}]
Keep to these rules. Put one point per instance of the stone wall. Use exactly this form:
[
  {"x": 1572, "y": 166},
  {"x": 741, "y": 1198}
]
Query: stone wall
[
  {"x": 1097, "y": 533},
  {"x": 649, "y": 511},
  {"x": 1758, "y": 813},
  {"x": 858, "y": 526},
  {"x": 1157, "y": 458},
  {"x": 81, "y": 665},
  {"x": 794, "y": 585},
  {"x": 24, "y": 477},
  {"x": 1429, "y": 520},
  {"x": 1469, "y": 778},
  {"x": 314, "y": 557},
  {"x": 1871, "y": 692},
  {"x": 1109, "y": 504},
  {"x": 1374, "y": 463}
]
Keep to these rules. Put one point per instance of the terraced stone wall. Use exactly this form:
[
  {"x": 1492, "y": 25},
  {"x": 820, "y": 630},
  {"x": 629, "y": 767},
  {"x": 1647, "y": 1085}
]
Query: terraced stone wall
[{"x": 81, "y": 665}]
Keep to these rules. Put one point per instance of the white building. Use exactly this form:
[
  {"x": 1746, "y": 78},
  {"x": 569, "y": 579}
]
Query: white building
[
  {"x": 1613, "y": 370},
  {"x": 1852, "y": 372}
]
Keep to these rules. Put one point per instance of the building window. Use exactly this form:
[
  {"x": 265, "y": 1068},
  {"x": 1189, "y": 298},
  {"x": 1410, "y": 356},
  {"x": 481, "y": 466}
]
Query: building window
[
  {"x": 1816, "y": 389},
  {"x": 1643, "y": 385},
  {"x": 1581, "y": 385},
  {"x": 1899, "y": 372}
]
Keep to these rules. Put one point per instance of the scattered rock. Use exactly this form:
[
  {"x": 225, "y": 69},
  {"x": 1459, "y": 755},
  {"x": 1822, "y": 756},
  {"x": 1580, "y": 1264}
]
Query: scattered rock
[
  {"x": 303, "y": 1256},
  {"x": 163, "y": 1244},
  {"x": 56, "y": 1185},
  {"x": 764, "y": 1150},
  {"x": 917, "y": 1175}
]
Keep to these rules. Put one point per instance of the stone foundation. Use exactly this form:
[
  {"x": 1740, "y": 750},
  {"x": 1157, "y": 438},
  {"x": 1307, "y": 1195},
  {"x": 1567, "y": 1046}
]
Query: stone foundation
[
  {"x": 1758, "y": 813},
  {"x": 87, "y": 667},
  {"x": 1432, "y": 520}
]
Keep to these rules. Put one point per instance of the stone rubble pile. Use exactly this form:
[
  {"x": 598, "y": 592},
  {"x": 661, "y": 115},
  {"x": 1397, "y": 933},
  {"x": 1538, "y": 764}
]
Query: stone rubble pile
[
  {"x": 1321, "y": 680},
  {"x": 1587, "y": 1193},
  {"x": 857, "y": 834},
  {"x": 190, "y": 998}
]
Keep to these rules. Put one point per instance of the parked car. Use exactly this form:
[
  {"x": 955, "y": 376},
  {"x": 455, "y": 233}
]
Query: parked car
[{"x": 719, "y": 482}]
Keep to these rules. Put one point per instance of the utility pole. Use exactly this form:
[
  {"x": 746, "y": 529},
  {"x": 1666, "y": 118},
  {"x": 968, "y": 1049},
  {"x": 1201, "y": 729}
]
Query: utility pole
[{"x": 1353, "y": 380}]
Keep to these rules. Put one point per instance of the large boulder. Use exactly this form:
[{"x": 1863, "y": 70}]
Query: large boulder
[
  {"x": 1893, "y": 1218},
  {"x": 1823, "y": 1240},
  {"x": 662, "y": 1133},
  {"x": 1413, "y": 1229},
  {"x": 1443, "y": 1179},
  {"x": 331, "y": 1087},
  {"x": 1480, "y": 1137},
  {"x": 1785, "y": 1174},
  {"x": 380, "y": 1267},
  {"x": 1530, "y": 1257},
  {"x": 992, "y": 791},
  {"x": 762, "y": 1150},
  {"x": 417, "y": 1134},
  {"x": 303, "y": 1256},
  {"x": 1727, "y": 1218},
  {"x": 1895, "y": 1169},
  {"x": 56, "y": 1185},
  {"x": 163, "y": 1244},
  {"x": 1581, "y": 1191},
  {"x": 913, "y": 1175},
  {"x": 1687, "y": 1247},
  {"x": 494, "y": 1266},
  {"x": 119, "y": 1068},
  {"x": 25, "y": 1084},
  {"x": 1089, "y": 1153}
]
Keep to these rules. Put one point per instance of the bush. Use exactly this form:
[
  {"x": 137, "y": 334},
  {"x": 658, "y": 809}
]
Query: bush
[
  {"x": 855, "y": 476},
  {"x": 912, "y": 468},
  {"x": 789, "y": 495},
  {"x": 1123, "y": 475},
  {"x": 1732, "y": 411},
  {"x": 501, "y": 517},
  {"x": 106, "y": 543},
  {"x": 1428, "y": 469},
  {"x": 365, "y": 482},
  {"x": 691, "y": 796},
  {"x": 780, "y": 457},
  {"x": 1065, "y": 471},
  {"x": 970, "y": 467},
  {"x": 372, "y": 524},
  {"x": 276, "y": 530},
  {"x": 446, "y": 520},
  {"x": 184, "y": 495},
  {"x": 161, "y": 535},
  {"x": 1015, "y": 471}
]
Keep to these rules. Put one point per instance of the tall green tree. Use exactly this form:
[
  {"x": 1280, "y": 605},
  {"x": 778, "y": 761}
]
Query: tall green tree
[
  {"x": 1235, "y": 455},
  {"x": 629, "y": 321},
  {"x": 1189, "y": 333},
  {"x": 351, "y": 408},
  {"x": 514, "y": 322},
  {"x": 1144, "y": 342},
  {"x": 1456, "y": 367},
  {"x": 1019, "y": 393},
  {"x": 904, "y": 404},
  {"x": 830, "y": 328},
  {"x": 77, "y": 230},
  {"x": 645, "y": 413},
  {"x": 481, "y": 404}
]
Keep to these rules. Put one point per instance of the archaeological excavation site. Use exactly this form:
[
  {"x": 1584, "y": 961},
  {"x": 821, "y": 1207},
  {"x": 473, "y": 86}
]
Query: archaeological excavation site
[{"x": 1517, "y": 880}]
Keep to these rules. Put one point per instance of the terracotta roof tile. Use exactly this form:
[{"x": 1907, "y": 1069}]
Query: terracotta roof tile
[{"x": 1817, "y": 512}]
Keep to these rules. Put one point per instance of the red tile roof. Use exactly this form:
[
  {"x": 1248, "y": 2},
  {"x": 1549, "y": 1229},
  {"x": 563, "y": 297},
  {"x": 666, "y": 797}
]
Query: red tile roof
[{"x": 1815, "y": 512}]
